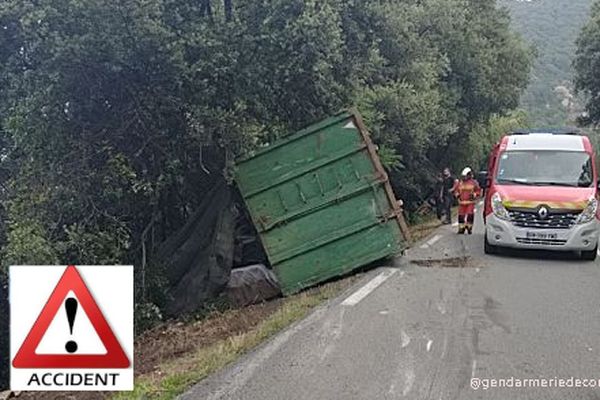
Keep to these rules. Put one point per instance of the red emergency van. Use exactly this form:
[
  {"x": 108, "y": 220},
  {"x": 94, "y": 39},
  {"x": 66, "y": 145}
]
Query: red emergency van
[{"x": 542, "y": 193}]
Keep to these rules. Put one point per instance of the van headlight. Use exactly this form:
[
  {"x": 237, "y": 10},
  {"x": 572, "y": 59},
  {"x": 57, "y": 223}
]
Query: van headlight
[
  {"x": 498, "y": 207},
  {"x": 589, "y": 212}
]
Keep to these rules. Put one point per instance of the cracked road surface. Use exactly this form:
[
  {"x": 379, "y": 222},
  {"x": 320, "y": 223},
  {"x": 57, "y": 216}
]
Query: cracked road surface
[{"x": 424, "y": 329}]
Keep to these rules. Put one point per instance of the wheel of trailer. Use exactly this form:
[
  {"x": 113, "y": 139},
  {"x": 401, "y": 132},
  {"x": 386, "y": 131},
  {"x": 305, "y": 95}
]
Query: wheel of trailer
[
  {"x": 489, "y": 248},
  {"x": 589, "y": 255}
]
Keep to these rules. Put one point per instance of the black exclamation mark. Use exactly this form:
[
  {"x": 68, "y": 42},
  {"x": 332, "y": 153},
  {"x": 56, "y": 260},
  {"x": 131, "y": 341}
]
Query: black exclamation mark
[{"x": 71, "y": 308}]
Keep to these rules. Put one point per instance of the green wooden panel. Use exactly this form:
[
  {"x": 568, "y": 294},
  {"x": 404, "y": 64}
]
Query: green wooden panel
[
  {"x": 312, "y": 189},
  {"x": 361, "y": 210},
  {"x": 319, "y": 204},
  {"x": 296, "y": 155},
  {"x": 339, "y": 257}
]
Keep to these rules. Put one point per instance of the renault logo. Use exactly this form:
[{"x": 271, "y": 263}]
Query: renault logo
[{"x": 543, "y": 212}]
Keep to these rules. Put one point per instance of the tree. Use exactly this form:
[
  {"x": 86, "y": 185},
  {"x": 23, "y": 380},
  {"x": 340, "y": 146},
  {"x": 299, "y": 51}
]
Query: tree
[
  {"x": 117, "y": 117},
  {"x": 432, "y": 75},
  {"x": 587, "y": 66},
  {"x": 551, "y": 27},
  {"x": 114, "y": 124}
]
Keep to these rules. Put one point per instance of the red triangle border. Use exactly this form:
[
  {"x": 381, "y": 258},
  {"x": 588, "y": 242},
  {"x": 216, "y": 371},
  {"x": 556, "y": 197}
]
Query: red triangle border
[{"x": 115, "y": 356}]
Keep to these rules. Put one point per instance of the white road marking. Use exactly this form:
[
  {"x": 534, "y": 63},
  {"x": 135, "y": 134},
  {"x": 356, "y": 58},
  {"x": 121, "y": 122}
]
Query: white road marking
[
  {"x": 429, "y": 343},
  {"x": 425, "y": 245},
  {"x": 384, "y": 312},
  {"x": 405, "y": 339},
  {"x": 434, "y": 239},
  {"x": 364, "y": 291},
  {"x": 473, "y": 368}
]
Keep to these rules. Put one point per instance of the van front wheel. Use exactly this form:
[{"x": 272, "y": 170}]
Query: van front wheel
[
  {"x": 489, "y": 248},
  {"x": 589, "y": 255}
]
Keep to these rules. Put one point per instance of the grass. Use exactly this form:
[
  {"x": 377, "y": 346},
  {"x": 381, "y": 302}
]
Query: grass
[{"x": 178, "y": 375}]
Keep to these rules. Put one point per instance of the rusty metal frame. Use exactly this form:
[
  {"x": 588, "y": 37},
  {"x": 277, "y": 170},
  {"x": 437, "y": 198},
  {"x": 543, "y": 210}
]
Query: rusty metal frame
[{"x": 394, "y": 203}]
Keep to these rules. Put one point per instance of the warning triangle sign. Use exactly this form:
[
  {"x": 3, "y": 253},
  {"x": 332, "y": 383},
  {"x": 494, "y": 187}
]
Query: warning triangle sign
[{"x": 71, "y": 281}]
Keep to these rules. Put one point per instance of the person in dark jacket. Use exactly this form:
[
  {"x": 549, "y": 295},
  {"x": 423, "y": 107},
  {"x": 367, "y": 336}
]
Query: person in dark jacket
[
  {"x": 436, "y": 198},
  {"x": 446, "y": 196}
]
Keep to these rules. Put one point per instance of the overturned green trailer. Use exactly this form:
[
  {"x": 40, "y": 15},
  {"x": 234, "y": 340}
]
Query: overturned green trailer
[{"x": 321, "y": 202}]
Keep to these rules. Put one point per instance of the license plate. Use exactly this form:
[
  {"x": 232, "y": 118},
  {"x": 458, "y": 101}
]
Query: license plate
[{"x": 542, "y": 235}]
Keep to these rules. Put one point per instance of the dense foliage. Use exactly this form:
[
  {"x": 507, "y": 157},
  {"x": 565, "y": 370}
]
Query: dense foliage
[
  {"x": 551, "y": 26},
  {"x": 434, "y": 78},
  {"x": 116, "y": 117},
  {"x": 587, "y": 67}
]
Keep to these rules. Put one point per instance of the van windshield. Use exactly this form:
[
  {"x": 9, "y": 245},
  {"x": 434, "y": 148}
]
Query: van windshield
[{"x": 545, "y": 168}]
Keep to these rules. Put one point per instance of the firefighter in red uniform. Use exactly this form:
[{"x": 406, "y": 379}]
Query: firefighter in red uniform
[{"x": 467, "y": 190}]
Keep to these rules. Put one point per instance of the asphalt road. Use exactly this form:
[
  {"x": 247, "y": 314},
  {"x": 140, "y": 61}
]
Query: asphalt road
[{"x": 432, "y": 327}]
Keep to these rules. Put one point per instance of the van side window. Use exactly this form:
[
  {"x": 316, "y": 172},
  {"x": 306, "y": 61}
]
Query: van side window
[{"x": 586, "y": 176}]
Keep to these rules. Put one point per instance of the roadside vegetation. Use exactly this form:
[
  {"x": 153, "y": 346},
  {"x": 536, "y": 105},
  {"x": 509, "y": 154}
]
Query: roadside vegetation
[
  {"x": 119, "y": 116},
  {"x": 551, "y": 27},
  {"x": 587, "y": 67}
]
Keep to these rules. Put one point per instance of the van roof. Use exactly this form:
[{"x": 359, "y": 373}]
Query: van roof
[
  {"x": 546, "y": 141},
  {"x": 567, "y": 130}
]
